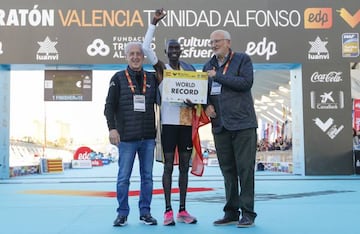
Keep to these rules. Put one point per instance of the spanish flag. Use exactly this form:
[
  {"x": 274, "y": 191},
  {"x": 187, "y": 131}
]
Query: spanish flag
[{"x": 199, "y": 119}]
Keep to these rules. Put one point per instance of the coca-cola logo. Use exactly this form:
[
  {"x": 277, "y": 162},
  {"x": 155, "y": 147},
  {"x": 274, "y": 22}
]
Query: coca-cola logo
[{"x": 331, "y": 77}]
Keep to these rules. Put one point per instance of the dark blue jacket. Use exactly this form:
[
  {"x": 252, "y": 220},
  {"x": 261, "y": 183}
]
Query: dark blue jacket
[
  {"x": 119, "y": 107},
  {"x": 234, "y": 106}
]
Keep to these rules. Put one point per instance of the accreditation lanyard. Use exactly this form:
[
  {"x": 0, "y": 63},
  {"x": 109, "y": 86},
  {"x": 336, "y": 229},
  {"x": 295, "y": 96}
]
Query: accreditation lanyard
[
  {"x": 216, "y": 87},
  {"x": 139, "y": 100},
  {"x": 228, "y": 62}
]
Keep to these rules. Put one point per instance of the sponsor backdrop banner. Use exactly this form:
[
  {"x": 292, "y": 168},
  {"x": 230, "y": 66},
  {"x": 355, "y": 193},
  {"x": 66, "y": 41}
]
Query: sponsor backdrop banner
[
  {"x": 84, "y": 32},
  {"x": 327, "y": 119},
  {"x": 322, "y": 36}
]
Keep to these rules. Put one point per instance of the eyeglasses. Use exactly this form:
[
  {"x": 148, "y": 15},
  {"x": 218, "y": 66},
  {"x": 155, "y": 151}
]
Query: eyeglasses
[{"x": 216, "y": 41}]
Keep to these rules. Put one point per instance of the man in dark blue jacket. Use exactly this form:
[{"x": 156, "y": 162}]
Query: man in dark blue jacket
[
  {"x": 129, "y": 111},
  {"x": 231, "y": 109}
]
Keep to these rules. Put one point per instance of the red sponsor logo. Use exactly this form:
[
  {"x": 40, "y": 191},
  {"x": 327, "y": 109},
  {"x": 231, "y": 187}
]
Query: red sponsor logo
[
  {"x": 82, "y": 153},
  {"x": 97, "y": 163},
  {"x": 318, "y": 18}
]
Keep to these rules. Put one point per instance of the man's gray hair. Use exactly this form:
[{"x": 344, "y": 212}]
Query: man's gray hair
[
  {"x": 131, "y": 44},
  {"x": 226, "y": 34}
]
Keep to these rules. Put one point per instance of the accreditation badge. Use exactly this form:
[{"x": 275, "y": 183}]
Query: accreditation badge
[
  {"x": 215, "y": 88},
  {"x": 139, "y": 103}
]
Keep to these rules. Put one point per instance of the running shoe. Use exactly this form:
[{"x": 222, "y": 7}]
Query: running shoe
[
  {"x": 169, "y": 218},
  {"x": 185, "y": 217}
]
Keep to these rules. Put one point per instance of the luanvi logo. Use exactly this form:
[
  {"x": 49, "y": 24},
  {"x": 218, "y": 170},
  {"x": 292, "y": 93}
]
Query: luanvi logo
[
  {"x": 318, "y": 50},
  {"x": 318, "y": 18},
  {"x": 351, "y": 20},
  {"x": 332, "y": 130},
  {"x": 47, "y": 50}
]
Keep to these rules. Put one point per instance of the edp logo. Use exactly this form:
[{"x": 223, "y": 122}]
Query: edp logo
[
  {"x": 261, "y": 48},
  {"x": 318, "y": 18}
]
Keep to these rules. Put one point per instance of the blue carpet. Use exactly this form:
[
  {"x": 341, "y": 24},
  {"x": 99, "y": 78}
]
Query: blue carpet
[{"x": 285, "y": 204}]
